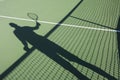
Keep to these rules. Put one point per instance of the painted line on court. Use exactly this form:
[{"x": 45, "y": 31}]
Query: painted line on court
[{"x": 69, "y": 25}]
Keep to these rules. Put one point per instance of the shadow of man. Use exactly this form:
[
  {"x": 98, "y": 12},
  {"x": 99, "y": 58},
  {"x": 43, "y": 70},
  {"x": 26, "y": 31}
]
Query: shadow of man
[{"x": 26, "y": 35}]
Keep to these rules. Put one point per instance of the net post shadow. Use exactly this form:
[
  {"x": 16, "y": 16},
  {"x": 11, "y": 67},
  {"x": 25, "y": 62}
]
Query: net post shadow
[
  {"x": 118, "y": 37},
  {"x": 118, "y": 40}
]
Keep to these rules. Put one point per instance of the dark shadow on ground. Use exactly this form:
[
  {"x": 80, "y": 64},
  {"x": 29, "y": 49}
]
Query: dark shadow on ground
[
  {"x": 52, "y": 50},
  {"x": 26, "y": 35},
  {"x": 118, "y": 37},
  {"x": 13, "y": 66}
]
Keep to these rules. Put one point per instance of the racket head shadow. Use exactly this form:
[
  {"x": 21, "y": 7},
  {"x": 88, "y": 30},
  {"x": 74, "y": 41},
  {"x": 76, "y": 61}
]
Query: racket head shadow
[{"x": 32, "y": 16}]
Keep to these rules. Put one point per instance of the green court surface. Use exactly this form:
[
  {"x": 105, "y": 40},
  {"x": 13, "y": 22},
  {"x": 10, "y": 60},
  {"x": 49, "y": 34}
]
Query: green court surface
[{"x": 86, "y": 29}]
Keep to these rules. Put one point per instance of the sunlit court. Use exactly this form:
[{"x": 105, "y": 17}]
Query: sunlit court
[{"x": 59, "y": 39}]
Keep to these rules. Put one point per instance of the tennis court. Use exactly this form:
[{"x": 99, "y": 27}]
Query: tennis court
[{"x": 88, "y": 31}]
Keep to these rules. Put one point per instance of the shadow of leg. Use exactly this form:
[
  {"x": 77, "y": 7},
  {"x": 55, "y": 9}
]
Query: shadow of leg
[
  {"x": 74, "y": 58},
  {"x": 68, "y": 67}
]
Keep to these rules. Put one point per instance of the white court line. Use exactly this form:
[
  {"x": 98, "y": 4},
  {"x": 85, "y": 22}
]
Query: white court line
[{"x": 76, "y": 26}]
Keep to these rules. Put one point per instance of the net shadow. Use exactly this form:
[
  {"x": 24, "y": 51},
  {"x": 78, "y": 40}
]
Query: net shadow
[
  {"x": 60, "y": 51},
  {"x": 118, "y": 29},
  {"x": 14, "y": 65},
  {"x": 17, "y": 63},
  {"x": 56, "y": 26},
  {"x": 92, "y": 22}
]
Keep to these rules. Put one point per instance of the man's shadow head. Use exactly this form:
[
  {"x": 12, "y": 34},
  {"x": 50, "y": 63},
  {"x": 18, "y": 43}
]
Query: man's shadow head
[{"x": 14, "y": 25}]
